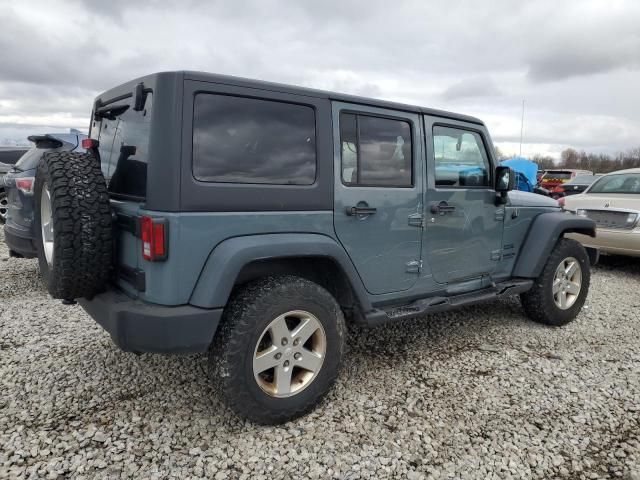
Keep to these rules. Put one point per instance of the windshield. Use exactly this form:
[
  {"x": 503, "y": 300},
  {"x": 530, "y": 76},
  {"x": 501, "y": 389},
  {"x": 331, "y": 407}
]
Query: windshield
[
  {"x": 617, "y": 183},
  {"x": 583, "y": 179}
]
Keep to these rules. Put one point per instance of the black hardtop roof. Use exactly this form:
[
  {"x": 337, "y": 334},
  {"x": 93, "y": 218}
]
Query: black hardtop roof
[{"x": 295, "y": 90}]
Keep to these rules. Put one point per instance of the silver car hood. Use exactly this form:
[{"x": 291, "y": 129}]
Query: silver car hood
[{"x": 603, "y": 201}]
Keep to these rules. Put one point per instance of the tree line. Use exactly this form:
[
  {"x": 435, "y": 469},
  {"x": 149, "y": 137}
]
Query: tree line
[{"x": 595, "y": 162}]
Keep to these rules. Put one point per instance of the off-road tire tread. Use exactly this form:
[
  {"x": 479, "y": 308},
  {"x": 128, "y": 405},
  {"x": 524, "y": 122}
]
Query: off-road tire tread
[
  {"x": 238, "y": 323},
  {"x": 81, "y": 215},
  {"x": 538, "y": 304}
]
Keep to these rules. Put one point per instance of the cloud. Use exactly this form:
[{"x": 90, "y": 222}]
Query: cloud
[
  {"x": 562, "y": 58},
  {"x": 574, "y": 59},
  {"x": 586, "y": 38},
  {"x": 472, "y": 88}
]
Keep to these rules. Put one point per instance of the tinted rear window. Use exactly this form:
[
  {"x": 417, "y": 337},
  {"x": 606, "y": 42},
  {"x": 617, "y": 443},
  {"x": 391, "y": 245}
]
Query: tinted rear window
[
  {"x": 248, "y": 140},
  {"x": 10, "y": 157},
  {"x": 556, "y": 176},
  {"x": 124, "y": 150}
]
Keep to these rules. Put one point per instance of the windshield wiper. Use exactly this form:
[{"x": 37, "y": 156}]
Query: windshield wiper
[{"x": 110, "y": 112}]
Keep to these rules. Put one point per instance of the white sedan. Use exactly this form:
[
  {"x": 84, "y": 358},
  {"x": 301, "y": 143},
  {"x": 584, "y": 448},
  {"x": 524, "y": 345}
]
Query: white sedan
[{"x": 613, "y": 201}]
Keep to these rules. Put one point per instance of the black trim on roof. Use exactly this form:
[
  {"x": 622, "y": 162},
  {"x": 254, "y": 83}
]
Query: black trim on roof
[{"x": 126, "y": 90}]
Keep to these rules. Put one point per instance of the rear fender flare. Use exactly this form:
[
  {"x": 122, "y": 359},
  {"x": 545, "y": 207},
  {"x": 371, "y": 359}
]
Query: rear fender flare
[{"x": 227, "y": 259}]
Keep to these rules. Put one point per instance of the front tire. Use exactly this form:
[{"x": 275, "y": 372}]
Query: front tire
[
  {"x": 559, "y": 293},
  {"x": 278, "y": 350}
]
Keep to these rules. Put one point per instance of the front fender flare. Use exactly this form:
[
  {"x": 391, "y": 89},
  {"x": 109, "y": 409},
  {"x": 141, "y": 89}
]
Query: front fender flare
[
  {"x": 225, "y": 261},
  {"x": 544, "y": 233}
]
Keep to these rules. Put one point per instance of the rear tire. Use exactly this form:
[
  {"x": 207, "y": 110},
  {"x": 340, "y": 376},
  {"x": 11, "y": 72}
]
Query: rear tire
[
  {"x": 558, "y": 294},
  {"x": 263, "y": 323},
  {"x": 73, "y": 229}
]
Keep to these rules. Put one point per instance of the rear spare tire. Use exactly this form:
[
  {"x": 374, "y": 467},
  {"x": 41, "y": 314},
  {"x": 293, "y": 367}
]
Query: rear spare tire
[{"x": 73, "y": 230}]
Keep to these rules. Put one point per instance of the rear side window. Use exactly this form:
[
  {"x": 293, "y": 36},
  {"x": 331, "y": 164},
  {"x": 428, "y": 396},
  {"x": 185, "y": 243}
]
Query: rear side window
[
  {"x": 124, "y": 149},
  {"x": 248, "y": 140},
  {"x": 376, "y": 151},
  {"x": 460, "y": 158}
]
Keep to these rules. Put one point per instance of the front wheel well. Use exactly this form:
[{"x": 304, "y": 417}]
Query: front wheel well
[
  {"x": 324, "y": 271},
  {"x": 583, "y": 231}
]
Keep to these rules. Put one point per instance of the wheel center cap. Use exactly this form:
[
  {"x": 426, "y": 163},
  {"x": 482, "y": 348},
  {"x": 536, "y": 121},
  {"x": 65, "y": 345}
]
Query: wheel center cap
[{"x": 288, "y": 351}]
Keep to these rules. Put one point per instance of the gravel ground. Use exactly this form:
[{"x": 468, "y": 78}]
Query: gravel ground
[{"x": 479, "y": 393}]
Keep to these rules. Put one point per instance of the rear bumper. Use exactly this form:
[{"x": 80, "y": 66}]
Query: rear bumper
[
  {"x": 137, "y": 326},
  {"x": 620, "y": 242},
  {"x": 20, "y": 241}
]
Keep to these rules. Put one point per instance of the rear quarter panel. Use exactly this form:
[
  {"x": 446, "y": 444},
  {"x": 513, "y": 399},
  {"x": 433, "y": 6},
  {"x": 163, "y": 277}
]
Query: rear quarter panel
[{"x": 193, "y": 236}]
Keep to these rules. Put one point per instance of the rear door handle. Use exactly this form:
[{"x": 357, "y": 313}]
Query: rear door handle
[
  {"x": 354, "y": 211},
  {"x": 442, "y": 208}
]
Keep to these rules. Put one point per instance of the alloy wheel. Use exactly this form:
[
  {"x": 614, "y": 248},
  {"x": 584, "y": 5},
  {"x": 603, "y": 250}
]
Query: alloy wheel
[
  {"x": 289, "y": 353},
  {"x": 4, "y": 206},
  {"x": 46, "y": 224},
  {"x": 567, "y": 283}
]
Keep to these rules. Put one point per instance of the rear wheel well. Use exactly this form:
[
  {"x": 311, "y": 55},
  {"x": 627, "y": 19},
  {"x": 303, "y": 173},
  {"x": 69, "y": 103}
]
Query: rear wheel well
[{"x": 321, "y": 270}]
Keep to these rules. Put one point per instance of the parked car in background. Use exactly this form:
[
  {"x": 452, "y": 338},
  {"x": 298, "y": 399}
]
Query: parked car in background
[
  {"x": 554, "y": 178},
  {"x": 577, "y": 185},
  {"x": 613, "y": 201},
  {"x": 18, "y": 185},
  {"x": 540, "y": 174},
  {"x": 8, "y": 156}
]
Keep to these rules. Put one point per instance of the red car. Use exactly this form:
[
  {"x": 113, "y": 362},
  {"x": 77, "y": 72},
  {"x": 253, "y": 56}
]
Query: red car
[{"x": 554, "y": 178}]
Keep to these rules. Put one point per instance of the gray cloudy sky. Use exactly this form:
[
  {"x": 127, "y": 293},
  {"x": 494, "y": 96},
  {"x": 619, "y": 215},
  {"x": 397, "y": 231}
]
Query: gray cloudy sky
[{"x": 576, "y": 63}]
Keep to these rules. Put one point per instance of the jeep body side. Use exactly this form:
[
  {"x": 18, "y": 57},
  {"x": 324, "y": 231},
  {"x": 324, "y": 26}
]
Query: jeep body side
[{"x": 392, "y": 209}]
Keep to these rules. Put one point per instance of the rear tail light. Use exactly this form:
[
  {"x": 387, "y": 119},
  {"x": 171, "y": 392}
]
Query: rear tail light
[
  {"x": 25, "y": 185},
  {"x": 154, "y": 238},
  {"x": 89, "y": 143}
]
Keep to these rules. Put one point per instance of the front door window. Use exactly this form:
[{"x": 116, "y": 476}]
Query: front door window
[{"x": 460, "y": 158}]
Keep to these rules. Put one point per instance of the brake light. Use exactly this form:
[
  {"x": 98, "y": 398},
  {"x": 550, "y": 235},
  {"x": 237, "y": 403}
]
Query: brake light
[
  {"x": 89, "y": 143},
  {"x": 154, "y": 238},
  {"x": 25, "y": 185}
]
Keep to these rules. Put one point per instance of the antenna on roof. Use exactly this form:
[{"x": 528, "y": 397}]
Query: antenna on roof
[{"x": 521, "y": 126}]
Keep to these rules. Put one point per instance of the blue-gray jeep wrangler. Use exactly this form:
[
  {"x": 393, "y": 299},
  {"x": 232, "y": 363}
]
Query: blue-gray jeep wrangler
[{"x": 250, "y": 219}]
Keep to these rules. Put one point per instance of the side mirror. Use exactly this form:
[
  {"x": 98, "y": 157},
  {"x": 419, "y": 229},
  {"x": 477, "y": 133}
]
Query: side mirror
[{"x": 505, "y": 179}]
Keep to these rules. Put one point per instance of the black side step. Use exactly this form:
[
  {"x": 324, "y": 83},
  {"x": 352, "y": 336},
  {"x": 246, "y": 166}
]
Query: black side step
[{"x": 440, "y": 304}]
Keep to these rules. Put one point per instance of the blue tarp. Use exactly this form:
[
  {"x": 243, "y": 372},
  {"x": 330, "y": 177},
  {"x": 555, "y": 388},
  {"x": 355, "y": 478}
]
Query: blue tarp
[{"x": 526, "y": 172}]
